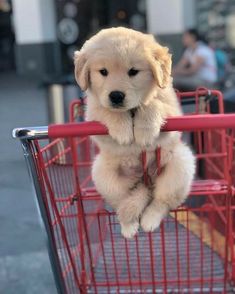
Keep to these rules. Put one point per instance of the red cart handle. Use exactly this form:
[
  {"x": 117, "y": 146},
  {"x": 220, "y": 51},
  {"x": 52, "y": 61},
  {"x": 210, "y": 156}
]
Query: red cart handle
[{"x": 182, "y": 123}]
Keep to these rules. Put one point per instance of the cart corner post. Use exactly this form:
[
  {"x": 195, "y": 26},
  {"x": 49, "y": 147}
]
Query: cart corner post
[{"x": 25, "y": 135}]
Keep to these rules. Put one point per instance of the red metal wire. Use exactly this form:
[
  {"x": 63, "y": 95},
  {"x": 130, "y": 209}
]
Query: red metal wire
[
  {"x": 164, "y": 256},
  {"x": 177, "y": 252},
  {"x": 62, "y": 229}
]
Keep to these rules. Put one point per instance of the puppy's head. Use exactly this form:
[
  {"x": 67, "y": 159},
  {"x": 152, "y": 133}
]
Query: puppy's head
[{"x": 121, "y": 68}]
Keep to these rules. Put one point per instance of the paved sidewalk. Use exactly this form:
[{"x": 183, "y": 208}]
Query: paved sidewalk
[{"x": 24, "y": 263}]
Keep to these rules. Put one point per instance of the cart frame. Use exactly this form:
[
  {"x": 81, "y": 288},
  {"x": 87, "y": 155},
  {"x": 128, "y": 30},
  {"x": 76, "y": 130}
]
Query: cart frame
[{"x": 27, "y": 135}]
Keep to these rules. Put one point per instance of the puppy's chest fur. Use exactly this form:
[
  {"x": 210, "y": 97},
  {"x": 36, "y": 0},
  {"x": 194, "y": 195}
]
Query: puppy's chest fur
[{"x": 132, "y": 166}]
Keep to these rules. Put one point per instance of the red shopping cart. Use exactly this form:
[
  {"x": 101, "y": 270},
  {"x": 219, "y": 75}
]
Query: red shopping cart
[{"x": 192, "y": 251}]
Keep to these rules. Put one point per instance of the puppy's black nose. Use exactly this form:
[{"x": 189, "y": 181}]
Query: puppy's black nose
[{"x": 116, "y": 98}]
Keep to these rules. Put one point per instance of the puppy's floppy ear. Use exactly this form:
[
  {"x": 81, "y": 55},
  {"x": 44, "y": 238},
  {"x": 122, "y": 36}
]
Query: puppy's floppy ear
[
  {"x": 160, "y": 62},
  {"x": 81, "y": 69}
]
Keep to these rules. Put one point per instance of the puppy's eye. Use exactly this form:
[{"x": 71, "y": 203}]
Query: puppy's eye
[
  {"x": 104, "y": 72},
  {"x": 132, "y": 72}
]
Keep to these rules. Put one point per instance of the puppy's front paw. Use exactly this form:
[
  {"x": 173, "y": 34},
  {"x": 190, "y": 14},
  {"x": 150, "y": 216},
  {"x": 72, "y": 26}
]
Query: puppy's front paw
[
  {"x": 145, "y": 137},
  {"x": 151, "y": 219},
  {"x": 147, "y": 124},
  {"x": 129, "y": 230},
  {"x": 122, "y": 134}
]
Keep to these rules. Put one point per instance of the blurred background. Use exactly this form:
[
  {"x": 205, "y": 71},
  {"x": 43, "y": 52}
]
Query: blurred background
[{"x": 37, "y": 42}]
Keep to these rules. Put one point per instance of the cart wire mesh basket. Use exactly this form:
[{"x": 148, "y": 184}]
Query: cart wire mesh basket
[{"x": 193, "y": 249}]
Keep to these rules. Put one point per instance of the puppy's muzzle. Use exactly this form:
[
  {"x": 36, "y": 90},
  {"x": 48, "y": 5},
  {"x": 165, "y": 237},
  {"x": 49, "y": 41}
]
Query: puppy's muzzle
[{"x": 116, "y": 98}]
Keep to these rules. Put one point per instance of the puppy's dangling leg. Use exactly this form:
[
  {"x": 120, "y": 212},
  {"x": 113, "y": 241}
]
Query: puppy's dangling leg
[
  {"x": 171, "y": 187},
  {"x": 131, "y": 208},
  {"x": 125, "y": 194}
]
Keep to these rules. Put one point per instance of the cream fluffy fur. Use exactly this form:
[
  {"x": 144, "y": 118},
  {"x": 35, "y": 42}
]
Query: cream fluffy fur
[{"x": 149, "y": 100}]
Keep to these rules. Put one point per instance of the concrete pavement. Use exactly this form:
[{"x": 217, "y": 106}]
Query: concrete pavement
[{"x": 24, "y": 263}]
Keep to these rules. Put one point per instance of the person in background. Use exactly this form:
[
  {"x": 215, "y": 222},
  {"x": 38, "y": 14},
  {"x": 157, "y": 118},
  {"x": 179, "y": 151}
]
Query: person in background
[
  {"x": 197, "y": 67},
  {"x": 4, "y": 6},
  {"x": 223, "y": 65}
]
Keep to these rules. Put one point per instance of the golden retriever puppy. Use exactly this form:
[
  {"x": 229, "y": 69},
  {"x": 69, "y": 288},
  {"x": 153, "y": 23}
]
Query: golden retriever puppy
[{"x": 127, "y": 77}]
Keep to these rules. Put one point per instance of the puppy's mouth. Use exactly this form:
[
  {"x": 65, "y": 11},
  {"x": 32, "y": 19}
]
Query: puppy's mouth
[
  {"x": 117, "y": 108},
  {"x": 123, "y": 108}
]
